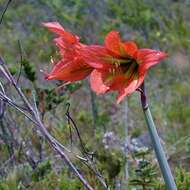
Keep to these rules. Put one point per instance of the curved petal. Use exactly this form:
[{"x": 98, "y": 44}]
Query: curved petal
[
  {"x": 103, "y": 81},
  {"x": 130, "y": 87},
  {"x": 54, "y": 27},
  {"x": 96, "y": 56},
  {"x": 140, "y": 80},
  {"x": 130, "y": 48},
  {"x": 115, "y": 45},
  {"x": 148, "y": 58},
  {"x": 97, "y": 83},
  {"x": 113, "y": 42},
  {"x": 57, "y": 28},
  {"x": 66, "y": 50},
  {"x": 59, "y": 42},
  {"x": 71, "y": 71}
]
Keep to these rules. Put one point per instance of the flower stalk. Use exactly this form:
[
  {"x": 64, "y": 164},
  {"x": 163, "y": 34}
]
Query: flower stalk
[{"x": 161, "y": 157}]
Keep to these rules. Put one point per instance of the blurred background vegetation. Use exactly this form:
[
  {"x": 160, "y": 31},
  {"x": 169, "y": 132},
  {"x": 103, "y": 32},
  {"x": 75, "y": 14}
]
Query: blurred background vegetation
[{"x": 27, "y": 162}]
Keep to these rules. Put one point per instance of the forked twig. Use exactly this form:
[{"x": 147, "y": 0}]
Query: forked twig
[
  {"x": 32, "y": 113},
  {"x": 42, "y": 128}
]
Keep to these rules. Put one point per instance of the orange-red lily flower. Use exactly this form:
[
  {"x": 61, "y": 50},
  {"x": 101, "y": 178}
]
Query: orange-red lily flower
[
  {"x": 119, "y": 66},
  {"x": 72, "y": 66}
]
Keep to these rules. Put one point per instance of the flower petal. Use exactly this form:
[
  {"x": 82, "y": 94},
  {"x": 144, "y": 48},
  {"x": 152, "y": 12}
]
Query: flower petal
[
  {"x": 117, "y": 82},
  {"x": 96, "y": 56},
  {"x": 140, "y": 80},
  {"x": 97, "y": 83},
  {"x": 57, "y": 28},
  {"x": 130, "y": 87},
  {"x": 113, "y": 42},
  {"x": 54, "y": 27},
  {"x": 148, "y": 58},
  {"x": 67, "y": 50},
  {"x": 72, "y": 71},
  {"x": 130, "y": 48}
]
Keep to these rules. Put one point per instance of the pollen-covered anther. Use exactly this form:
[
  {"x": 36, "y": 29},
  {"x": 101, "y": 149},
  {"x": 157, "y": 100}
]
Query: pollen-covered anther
[
  {"x": 113, "y": 71},
  {"x": 117, "y": 64},
  {"x": 51, "y": 60}
]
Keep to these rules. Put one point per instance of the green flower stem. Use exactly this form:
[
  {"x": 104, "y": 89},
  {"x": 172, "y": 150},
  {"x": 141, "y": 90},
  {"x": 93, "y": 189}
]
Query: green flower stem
[{"x": 163, "y": 163}]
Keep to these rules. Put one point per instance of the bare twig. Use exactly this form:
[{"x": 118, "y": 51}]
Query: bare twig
[
  {"x": 70, "y": 120},
  {"x": 21, "y": 60},
  {"x": 39, "y": 124},
  {"x": 4, "y": 11},
  {"x": 32, "y": 113},
  {"x": 2, "y": 103},
  {"x": 90, "y": 164}
]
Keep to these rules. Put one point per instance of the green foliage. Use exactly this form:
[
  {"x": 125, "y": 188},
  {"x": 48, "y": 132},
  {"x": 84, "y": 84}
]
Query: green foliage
[
  {"x": 179, "y": 113},
  {"x": 84, "y": 117},
  {"x": 137, "y": 14},
  {"x": 73, "y": 87},
  {"x": 29, "y": 70},
  {"x": 145, "y": 174},
  {"x": 179, "y": 110},
  {"x": 136, "y": 132},
  {"x": 102, "y": 119},
  {"x": 50, "y": 98},
  {"x": 182, "y": 179},
  {"x": 69, "y": 183},
  {"x": 41, "y": 170},
  {"x": 17, "y": 179},
  {"x": 43, "y": 178},
  {"x": 49, "y": 181},
  {"x": 187, "y": 148},
  {"x": 13, "y": 70},
  {"x": 111, "y": 163}
]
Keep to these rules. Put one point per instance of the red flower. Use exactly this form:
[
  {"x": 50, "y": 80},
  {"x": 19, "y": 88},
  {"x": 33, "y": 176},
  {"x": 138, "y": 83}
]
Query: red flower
[
  {"x": 119, "y": 66},
  {"x": 72, "y": 66}
]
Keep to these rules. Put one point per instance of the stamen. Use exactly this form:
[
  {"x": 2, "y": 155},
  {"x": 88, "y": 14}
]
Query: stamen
[
  {"x": 52, "y": 61},
  {"x": 132, "y": 69},
  {"x": 117, "y": 60}
]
